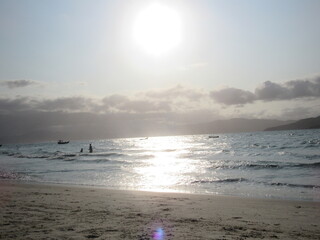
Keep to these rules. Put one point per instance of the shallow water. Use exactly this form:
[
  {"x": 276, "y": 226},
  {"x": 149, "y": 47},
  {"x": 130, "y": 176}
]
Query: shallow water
[{"x": 282, "y": 165}]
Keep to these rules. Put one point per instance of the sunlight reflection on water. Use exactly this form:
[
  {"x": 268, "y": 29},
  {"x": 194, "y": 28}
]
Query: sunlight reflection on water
[
  {"x": 167, "y": 168},
  {"x": 272, "y": 165}
]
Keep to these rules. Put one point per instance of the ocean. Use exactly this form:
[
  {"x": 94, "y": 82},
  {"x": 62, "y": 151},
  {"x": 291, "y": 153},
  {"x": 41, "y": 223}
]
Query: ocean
[{"x": 273, "y": 165}]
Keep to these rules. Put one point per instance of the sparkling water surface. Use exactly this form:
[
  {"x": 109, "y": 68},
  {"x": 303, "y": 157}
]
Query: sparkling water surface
[{"x": 280, "y": 164}]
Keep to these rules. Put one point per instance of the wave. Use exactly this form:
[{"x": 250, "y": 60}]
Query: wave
[
  {"x": 9, "y": 175},
  {"x": 92, "y": 160},
  {"x": 103, "y": 154},
  {"x": 312, "y": 157},
  {"x": 145, "y": 156},
  {"x": 227, "y": 180},
  {"x": 303, "y": 156},
  {"x": 311, "y": 143},
  {"x": 308, "y": 165},
  {"x": 19, "y": 155},
  {"x": 267, "y": 166},
  {"x": 293, "y": 185},
  {"x": 256, "y": 145},
  {"x": 64, "y": 156},
  {"x": 237, "y": 180},
  {"x": 303, "y": 144},
  {"x": 63, "y": 171},
  {"x": 95, "y": 160}
]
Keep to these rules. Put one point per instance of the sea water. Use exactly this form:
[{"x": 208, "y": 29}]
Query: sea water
[{"x": 278, "y": 164}]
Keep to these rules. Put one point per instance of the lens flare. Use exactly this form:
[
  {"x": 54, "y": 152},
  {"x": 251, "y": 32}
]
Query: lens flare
[{"x": 158, "y": 234}]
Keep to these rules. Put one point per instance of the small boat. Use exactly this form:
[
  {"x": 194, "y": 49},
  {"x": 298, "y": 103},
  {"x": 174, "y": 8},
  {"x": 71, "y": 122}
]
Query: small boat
[
  {"x": 63, "y": 142},
  {"x": 213, "y": 136}
]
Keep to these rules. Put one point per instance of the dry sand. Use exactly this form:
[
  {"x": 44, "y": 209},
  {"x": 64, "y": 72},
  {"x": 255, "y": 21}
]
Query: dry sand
[{"x": 31, "y": 211}]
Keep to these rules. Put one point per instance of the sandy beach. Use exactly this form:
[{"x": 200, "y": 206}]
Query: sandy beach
[{"x": 31, "y": 211}]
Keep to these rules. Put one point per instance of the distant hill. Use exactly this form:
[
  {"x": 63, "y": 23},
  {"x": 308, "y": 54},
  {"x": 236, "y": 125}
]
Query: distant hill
[
  {"x": 232, "y": 126},
  {"x": 308, "y": 123},
  {"x": 84, "y": 126}
]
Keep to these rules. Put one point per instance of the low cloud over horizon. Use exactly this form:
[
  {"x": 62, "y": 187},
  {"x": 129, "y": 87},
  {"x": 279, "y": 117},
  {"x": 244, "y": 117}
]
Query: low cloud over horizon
[
  {"x": 177, "y": 98},
  {"x": 269, "y": 91},
  {"x": 152, "y": 111}
]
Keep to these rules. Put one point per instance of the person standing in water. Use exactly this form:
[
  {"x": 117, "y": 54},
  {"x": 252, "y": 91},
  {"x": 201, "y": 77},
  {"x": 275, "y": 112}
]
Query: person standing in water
[{"x": 90, "y": 148}]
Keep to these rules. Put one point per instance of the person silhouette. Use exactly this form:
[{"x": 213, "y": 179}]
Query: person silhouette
[{"x": 90, "y": 148}]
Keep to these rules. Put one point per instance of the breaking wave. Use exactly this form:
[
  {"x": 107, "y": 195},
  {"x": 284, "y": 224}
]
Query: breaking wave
[
  {"x": 227, "y": 180},
  {"x": 267, "y": 166},
  {"x": 238, "y": 180}
]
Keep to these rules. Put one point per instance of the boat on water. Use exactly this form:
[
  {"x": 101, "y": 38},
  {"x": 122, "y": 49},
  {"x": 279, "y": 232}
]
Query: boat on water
[
  {"x": 63, "y": 142},
  {"x": 213, "y": 136},
  {"x": 144, "y": 138}
]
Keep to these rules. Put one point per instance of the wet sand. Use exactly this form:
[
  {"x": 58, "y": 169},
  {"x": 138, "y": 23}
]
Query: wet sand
[{"x": 31, "y": 211}]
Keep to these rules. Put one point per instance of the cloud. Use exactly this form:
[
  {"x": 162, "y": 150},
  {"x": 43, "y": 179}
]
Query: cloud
[
  {"x": 110, "y": 104},
  {"x": 304, "y": 88},
  {"x": 173, "y": 93},
  {"x": 12, "y": 105},
  {"x": 72, "y": 104},
  {"x": 35, "y": 119},
  {"x": 32, "y": 125},
  {"x": 269, "y": 91},
  {"x": 164, "y": 100},
  {"x": 115, "y": 100},
  {"x": 232, "y": 96},
  {"x": 19, "y": 83},
  {"x": 153, "y": 112},
  {"x": 124, "y": 104},
  {"x": 146, "y": 106},
  {"x": 178, "y": 99},
  {"x": 294, "y": 89},
  {"x": 67, "y": 104}
]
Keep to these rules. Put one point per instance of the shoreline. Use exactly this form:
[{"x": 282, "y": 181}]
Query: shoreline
[
  {"x": 38, "y": 211},
  {"x": 32, "y": 182},
  {"x": 105, "y": 188}
]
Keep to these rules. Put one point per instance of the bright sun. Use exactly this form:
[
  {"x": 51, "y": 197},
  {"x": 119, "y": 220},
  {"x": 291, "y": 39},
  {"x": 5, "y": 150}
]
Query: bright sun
[{"x": 157, "y": 29}]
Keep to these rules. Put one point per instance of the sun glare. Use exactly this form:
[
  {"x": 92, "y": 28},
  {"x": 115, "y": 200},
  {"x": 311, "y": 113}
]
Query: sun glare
[
  {"x": 167, "y": 168},
  {"x": 157, "y": 29}
]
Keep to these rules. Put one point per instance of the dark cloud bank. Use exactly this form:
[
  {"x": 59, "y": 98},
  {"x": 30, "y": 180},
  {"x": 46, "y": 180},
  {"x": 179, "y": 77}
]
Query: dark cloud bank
[
  {"x": 18, "y": 83},
  {"x": 26, "y": 119},
  {"x": 269, "y": 91}
]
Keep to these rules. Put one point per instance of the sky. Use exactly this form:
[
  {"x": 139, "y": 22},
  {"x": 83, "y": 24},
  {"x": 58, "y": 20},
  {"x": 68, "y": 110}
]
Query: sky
[{"x": 166, "y": 62}]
